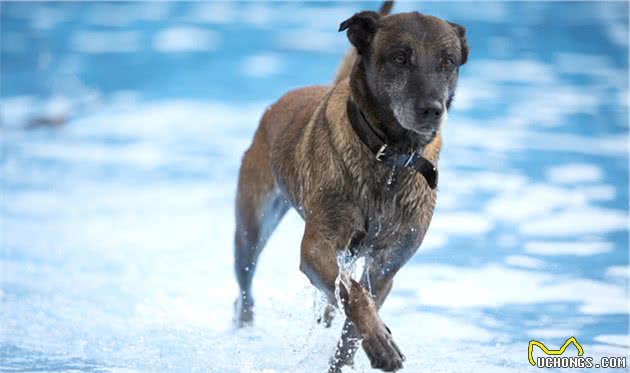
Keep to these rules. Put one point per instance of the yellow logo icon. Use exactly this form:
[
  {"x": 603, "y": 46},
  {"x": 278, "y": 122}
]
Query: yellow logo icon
[{"x": 547, "y": 351}]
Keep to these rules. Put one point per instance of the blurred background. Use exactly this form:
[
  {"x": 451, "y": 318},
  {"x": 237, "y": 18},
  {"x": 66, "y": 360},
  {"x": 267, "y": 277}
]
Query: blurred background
[{"x": 122, "y": 128}]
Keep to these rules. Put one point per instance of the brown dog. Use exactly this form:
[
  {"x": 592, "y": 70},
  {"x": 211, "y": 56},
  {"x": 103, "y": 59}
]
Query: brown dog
[{"x": 356, "y": 160}]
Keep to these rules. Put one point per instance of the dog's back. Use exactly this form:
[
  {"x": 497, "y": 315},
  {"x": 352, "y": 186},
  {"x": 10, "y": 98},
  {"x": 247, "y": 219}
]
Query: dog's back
[{"x": 291, "y": 112}]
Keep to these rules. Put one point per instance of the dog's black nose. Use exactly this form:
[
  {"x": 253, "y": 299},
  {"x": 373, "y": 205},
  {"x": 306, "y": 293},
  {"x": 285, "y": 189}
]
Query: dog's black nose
[{"x": 430, "y": 110}]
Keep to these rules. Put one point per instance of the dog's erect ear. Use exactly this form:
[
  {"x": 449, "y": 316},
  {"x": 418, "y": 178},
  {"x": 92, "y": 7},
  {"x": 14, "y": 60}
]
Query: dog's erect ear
[
  {"x": 361, "y": 28},
  {"x": 461, "y": 33}
]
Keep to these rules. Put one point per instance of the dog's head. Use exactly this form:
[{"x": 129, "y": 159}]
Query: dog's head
[{"x": 408, "y": 63}]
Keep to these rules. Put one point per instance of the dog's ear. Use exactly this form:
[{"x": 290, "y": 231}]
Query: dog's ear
[
  {"x": 461, "y": 33},
  {"x": 361, "y": 28}
]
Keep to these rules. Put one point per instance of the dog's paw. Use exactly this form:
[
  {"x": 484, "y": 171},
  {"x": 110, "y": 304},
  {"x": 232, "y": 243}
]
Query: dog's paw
[
  {"x": 243, "y": 313},
  {"x": 382, "y": 351},
  {"x": 327, "y": 316}
]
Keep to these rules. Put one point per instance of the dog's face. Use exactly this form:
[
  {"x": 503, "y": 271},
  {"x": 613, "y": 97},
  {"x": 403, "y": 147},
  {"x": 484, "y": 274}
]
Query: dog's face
[{"x": 410, "y": 64}]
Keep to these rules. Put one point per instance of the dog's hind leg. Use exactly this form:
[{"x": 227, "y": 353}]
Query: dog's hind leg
[
  {"x": 259, "y": 209},
  {"x": 327, "y": 316}
]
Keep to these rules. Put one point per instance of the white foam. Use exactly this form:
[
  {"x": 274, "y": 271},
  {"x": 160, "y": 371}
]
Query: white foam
[
  {"x": 211, "y": 117},
  {"x": 614, "y": 339},
  {"x": 143, "y": 154},
  {"x": 429, "y": 325},
  {"x": 494, "y": 286},
  {"x": 620, "y": 272},
  {"x": 599, "y": 192},
  {"x": 595, "y": 65},
  {"x": 526, "y": 71},
  {"x": 578, "y": 248},
  {"x": 577, "y": 221},
  {"x": 185, "y": 39},
  {"x": 487, "y": 181},
  {"x": 433, "y": 240},
  {"x": 58, "y": 107},
  {"x": 599, "y": 350},
  {"x": 311, "y": 40},
  {"x": 16, "y": 111},
  {"x": 461, "y": 223},
  {"x": 520, "y": 204},
  {"x": 536, "y": 111},
  {"x": 524, "y": 261},
  {"x": 124, "y": 100},
  {"x": 474, "y": 91},
  {"x": 573, "y": 173},
  {"x": 261, "y": 65},
  {"x": 472, "y": 134},
  {"x": 552, "y": 333}
]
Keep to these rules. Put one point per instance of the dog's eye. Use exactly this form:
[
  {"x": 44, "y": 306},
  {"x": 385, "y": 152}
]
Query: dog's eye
[
  {"x": 448, "y": 63},
  {"x": 400, "y": 59}
]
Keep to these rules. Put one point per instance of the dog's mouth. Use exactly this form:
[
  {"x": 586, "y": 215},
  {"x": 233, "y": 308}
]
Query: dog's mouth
[{"x": 425, "y": 133}]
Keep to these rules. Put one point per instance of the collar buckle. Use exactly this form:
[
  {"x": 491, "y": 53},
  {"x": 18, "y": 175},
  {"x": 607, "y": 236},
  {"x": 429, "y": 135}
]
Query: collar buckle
[{"x": 381, "y": 153}]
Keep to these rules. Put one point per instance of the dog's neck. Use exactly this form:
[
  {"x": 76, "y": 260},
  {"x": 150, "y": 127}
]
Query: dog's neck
[{"x": 391, "y": 151}]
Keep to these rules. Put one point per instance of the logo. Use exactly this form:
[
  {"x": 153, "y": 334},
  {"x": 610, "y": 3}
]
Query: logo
[
  {"x": 554, "y": 358},
  {"x": 547, "y": 351}
]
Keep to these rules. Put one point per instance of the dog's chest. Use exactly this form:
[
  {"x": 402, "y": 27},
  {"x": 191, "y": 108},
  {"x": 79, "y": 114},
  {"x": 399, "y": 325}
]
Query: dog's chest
[{"x": 397, "y": 210}]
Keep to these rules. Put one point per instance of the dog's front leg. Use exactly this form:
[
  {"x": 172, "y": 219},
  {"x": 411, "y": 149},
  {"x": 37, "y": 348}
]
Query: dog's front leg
[
  {"x": 378, "y": 276},
  {"x": 350, "y": 337},
  {"x": 319, "y": 262}
]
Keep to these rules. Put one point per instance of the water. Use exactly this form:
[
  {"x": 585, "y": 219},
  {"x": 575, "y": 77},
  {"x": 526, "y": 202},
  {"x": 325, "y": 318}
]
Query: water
[{"x": 117, "y": 225}]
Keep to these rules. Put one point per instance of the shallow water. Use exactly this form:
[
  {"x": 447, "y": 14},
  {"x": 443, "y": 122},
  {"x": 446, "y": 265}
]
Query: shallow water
[{"x": 117, "y": 226}]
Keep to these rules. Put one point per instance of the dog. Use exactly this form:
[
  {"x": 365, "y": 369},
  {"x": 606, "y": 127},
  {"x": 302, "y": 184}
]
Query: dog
[{"x": 357, "y": 160}]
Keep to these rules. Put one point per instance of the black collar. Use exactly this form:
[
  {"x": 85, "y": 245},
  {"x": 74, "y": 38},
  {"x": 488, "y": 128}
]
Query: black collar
[{"x": 376, "y": 141}]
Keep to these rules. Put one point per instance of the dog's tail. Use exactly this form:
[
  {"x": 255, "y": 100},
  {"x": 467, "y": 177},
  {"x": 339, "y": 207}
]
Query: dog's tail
[
  {"x": 386, "y": 7},
  {"x": 345, "y": 68}
]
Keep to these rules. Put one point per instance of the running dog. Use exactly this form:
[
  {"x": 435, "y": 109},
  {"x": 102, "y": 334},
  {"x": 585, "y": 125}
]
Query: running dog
[{"x": 358, "y": 161}]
